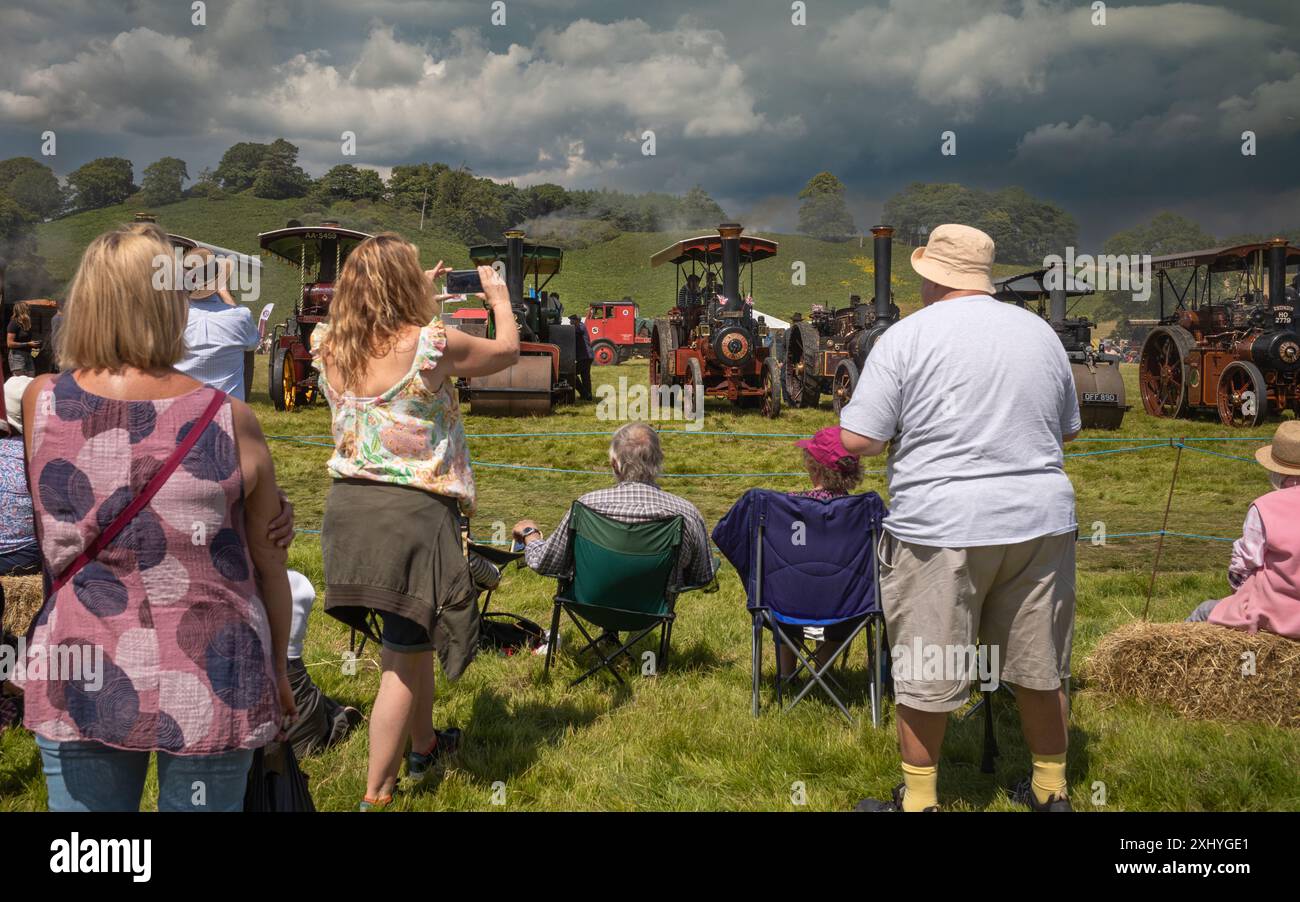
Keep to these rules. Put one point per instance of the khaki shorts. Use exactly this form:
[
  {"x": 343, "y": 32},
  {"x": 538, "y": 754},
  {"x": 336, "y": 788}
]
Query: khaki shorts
[{"x": 1018, "y": 600}]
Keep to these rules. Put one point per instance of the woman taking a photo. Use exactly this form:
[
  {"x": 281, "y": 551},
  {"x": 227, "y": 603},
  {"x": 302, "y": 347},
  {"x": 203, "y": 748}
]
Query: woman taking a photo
[
  {"x": 153, "y": 496},
  {"x": 391, "y": 536}
]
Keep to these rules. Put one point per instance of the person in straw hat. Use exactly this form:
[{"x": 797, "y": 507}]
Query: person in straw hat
[
  {"x": 1265, "y": 566},
  {"x": 974, "y": 399}
]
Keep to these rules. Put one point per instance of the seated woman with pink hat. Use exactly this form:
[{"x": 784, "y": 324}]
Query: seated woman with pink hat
[{"x": 1265, "y": 567}]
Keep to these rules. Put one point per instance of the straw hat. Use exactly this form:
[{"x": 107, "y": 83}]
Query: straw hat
[
  {"x": 1283, "y": 456},
  {"x": 957, "y": 256}
]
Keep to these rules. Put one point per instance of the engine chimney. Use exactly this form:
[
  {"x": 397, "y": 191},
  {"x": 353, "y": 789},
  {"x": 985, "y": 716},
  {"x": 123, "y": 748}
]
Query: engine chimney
[
  {"x": 730, "y": 232},
  {"x": 515, "y": 265},
  {"x": 1277, "y": 272},
  {"x": 883, "y": 247},
  {"x": 1057, "y": 304}
]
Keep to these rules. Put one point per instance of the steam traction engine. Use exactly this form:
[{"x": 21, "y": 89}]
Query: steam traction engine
[
  {"x": 711, "y": 345},
  {"x": 826, "y": 353},
  {"x": 545, "y": 374},
  {"x": 1239, "y": 356},
  {"x": 1098, "y": 382},
  {"x": 318, "y": 252}
]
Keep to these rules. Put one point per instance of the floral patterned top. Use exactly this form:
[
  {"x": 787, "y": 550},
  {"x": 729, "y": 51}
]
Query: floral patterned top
[{"x": 409, "y": 435}]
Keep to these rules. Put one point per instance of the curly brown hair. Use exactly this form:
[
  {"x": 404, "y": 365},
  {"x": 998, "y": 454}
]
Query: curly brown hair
[
  {"x": 833, "y": 479},
  {"x": 381, "y": 290}
]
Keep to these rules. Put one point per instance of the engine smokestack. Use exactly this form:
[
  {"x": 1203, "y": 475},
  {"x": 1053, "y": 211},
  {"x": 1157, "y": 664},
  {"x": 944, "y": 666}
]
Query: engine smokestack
[
  {"x": 1057, "y": 305},
  {"x": 1277, "y": 272},
  {"x": 883, "y": 249},
  {"x": 730, "y": 233},
  {"x": 515, "y": 265}
]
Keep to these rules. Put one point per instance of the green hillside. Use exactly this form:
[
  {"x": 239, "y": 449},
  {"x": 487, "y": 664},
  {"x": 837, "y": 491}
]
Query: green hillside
[{"x": 611, "y": 269}]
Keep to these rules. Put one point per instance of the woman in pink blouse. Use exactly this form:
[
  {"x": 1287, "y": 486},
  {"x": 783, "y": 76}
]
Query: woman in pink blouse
[{"x": 166, "y": 628}]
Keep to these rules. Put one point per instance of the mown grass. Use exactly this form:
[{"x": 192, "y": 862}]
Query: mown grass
[{"x": 685, "y": 740}]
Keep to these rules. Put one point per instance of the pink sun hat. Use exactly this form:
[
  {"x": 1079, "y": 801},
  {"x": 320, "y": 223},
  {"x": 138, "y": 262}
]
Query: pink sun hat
[{"x": 828, "y": 450}]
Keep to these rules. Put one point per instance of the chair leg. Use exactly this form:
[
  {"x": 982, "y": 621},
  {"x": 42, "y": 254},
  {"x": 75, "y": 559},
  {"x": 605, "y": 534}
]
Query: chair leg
[
  {"x": 873, "y": 677},
  {"x": 776, "y": 650},
  {"x": 990, "y": 738},
  {"x": 757, "y": 657},
  {"x": 665, "y": 644},
  {"x": 551, "y": 642}
]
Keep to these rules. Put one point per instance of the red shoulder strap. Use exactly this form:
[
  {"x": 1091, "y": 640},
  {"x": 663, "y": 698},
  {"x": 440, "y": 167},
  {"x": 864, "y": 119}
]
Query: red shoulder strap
[{"x": 139, "y": 502}]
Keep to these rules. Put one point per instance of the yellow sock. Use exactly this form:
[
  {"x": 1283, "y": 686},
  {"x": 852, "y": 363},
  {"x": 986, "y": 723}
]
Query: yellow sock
[
  {"x": 921, "y": 787},
  {"x": 1049, "y": 777}
]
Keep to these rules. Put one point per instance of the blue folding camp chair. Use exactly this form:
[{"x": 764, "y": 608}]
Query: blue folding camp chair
[{"x": 806, "y": 562}]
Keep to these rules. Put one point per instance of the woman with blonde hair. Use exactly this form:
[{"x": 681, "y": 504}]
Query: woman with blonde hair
[
  {"x": 21, "y": 341},
  {"x": 391, "y": 536},
  {"x": 153, "y": 499}
]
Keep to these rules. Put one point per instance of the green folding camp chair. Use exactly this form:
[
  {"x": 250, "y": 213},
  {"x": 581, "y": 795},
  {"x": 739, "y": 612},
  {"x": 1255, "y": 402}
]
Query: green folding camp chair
[{"x": 622, "y": 583}]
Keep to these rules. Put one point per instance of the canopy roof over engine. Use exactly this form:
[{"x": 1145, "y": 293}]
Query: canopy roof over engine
[
  {"x": 1222, "y": 259},
  {"x": 539, "y": 259},
  {"x": 301, "y": 245},
  {"x": 707, "y": 249},
  {"x": 1029, "y": 286}
]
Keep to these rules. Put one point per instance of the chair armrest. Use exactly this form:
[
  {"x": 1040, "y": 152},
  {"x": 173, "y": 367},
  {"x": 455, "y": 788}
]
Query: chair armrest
[{"x": 710, "y": 586}]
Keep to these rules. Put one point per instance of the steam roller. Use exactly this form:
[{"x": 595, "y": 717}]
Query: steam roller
[
  {"x": 1098, "y": 381},
  {"x": 545, "y": 374}
]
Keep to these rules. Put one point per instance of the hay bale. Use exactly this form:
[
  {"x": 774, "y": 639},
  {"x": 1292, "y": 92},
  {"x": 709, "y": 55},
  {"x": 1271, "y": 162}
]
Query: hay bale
[
  {"x": 23, "y": 598},
  {"x": 1197, "y": 669}
]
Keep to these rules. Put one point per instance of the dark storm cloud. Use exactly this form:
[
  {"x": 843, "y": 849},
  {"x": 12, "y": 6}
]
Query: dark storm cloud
[{"x": 1114, "y": 122}]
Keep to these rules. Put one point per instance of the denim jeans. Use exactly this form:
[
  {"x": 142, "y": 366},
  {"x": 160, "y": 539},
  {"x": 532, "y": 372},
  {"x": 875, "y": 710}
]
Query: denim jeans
[
  {"x": 25, "y": 559},
  {"x": 89, "y": 776}
]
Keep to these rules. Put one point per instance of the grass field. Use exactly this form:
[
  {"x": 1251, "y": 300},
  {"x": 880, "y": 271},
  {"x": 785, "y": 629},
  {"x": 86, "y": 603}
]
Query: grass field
[{"x": 685, "y": 740}]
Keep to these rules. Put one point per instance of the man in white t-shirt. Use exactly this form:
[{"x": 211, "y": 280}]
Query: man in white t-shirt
[
  {"x": 219, "y": 331},
  {"x": 974, "y": 399}
]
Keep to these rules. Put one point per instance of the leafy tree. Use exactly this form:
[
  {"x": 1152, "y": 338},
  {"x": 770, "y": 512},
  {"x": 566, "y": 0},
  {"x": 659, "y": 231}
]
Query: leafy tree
[
  {"x": 15, "y": 222},
  {"x": 102, "y": 183},
  {"x": 239, "y": 165},
  {"x": 279, "y": 175},
  {"x": 412, "y": 184},
  {"x": 25, "y": 275},
  {"x": 33, "y": 186},
  {"x": 824, "y": 213},
  {"x": 1024, "y": 228},
  {"x": 164, "y": 182},
  {"x": 1166, "y": 233},
  {"x": 545, "y": 199},
  {"x": 348, "y": 182},
  {"x": 699, "y": 211}
]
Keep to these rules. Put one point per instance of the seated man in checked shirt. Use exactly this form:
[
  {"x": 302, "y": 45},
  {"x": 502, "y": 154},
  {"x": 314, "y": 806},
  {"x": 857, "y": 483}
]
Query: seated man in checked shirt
[{"x": 636, "y": 458}]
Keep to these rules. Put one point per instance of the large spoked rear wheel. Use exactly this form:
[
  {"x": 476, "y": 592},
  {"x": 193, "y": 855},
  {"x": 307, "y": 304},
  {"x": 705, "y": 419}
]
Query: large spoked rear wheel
[
  {"x": 802, "y": 386},
  {"x": 283, "y": 387},
  {"x": 1163, "y": 371}
]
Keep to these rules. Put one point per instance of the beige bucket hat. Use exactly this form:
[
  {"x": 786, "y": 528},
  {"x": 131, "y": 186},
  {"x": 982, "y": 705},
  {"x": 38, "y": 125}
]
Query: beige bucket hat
[
  {"x": 957, "y": 256},
  {"x": 1283, "y": 456}
]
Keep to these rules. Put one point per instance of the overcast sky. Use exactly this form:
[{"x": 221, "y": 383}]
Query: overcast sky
[{"x": 1113, "y": 122}]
